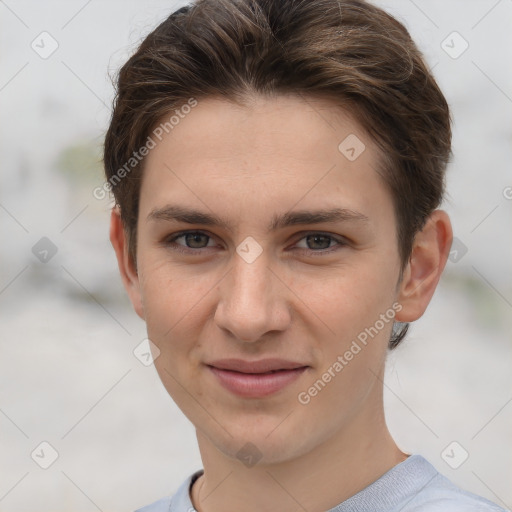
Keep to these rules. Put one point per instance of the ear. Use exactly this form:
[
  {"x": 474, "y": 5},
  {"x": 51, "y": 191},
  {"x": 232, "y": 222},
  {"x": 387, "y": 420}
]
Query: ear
[
  {"x": 430, "y": 251},
  {"x": 129, "y": 275}
]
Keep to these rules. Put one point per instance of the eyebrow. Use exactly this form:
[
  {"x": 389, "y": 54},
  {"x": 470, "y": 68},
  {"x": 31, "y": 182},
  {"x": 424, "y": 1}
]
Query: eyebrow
[{"x": 175, "y": 213}]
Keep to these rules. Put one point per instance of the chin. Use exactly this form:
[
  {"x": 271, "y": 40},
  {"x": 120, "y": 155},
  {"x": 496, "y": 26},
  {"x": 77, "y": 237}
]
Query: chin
[{"x": 264, "y": 442}]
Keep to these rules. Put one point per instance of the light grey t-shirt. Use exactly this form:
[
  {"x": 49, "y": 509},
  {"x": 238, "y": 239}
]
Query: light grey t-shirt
[{"x": 414, "y": 485}]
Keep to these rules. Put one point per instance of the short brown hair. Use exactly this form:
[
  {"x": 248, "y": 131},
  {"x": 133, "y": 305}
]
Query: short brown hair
[{"x": 349, "y": 51}]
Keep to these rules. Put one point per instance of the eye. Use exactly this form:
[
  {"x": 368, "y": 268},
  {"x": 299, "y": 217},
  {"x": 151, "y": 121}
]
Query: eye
[
  {"x": 320, "y": 243},
  {"x": 195, "y": 241}
]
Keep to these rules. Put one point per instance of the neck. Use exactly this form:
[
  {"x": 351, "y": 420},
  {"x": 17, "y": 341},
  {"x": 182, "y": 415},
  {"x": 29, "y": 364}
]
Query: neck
[{"x": 319, "y": 480}]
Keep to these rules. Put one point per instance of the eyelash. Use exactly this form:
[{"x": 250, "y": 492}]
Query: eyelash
[{"x": 170, "y": 242}]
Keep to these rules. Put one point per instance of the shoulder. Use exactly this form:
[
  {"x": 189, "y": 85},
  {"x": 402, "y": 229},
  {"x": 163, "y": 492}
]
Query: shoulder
[
  {"x": 179, "y": 502},
  {"x": 415, "y": 485},
  {"x": 162, "y": 505},
  {"x": 439, "y": 494},
  {"x": 452, "y": 502}
]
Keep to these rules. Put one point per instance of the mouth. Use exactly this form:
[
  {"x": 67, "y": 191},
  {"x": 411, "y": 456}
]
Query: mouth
[{"x": 256, "y": 379}]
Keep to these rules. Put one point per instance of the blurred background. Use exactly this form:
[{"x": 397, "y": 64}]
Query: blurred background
[{"x": 85, "y": 424}]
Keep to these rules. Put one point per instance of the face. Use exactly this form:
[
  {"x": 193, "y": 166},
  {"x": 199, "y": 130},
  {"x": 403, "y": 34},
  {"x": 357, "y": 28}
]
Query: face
[{"x": 271, "y": 313}]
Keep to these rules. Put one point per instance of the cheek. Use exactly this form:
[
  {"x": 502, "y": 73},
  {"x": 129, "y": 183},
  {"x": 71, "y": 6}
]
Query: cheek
[
  {"x": 172, "y": 309},
  {"x": 351, "y": 298},
  {"x": 357, "y": 308},
  {"x": 173, "y": 305},
  {"x": 359, "y": 311}
]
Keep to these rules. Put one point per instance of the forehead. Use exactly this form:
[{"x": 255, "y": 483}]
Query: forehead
[
  {"x": 271, "y": 153},
  {"x": 291, "y": 125}
]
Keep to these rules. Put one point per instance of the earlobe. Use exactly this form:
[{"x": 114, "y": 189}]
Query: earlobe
[
  {"x": 429, "y": 254},
  {"x": 127, "y": 270}
]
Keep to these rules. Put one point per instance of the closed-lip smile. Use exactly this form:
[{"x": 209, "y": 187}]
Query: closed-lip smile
[{"x": 256, "y": 379}]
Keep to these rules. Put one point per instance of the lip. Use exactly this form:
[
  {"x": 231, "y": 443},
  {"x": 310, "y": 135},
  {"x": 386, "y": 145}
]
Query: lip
[{"x": 254, "y": 379}]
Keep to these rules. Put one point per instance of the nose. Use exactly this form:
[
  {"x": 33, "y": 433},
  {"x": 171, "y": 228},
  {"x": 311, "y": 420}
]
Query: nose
[{"x": 253, "y": 300}]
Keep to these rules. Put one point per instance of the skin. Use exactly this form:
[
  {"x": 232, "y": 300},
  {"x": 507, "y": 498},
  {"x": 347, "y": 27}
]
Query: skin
[{"x": 246, "y": 164}]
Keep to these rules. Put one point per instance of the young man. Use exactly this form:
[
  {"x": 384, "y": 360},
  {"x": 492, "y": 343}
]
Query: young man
[{"x": 277, "y": 167}]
